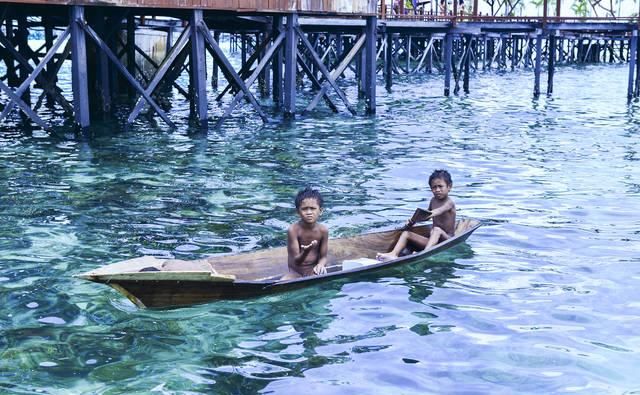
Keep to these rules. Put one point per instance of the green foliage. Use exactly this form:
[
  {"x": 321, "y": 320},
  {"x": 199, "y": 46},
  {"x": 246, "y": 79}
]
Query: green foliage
[{"x": 580, "y": 7}]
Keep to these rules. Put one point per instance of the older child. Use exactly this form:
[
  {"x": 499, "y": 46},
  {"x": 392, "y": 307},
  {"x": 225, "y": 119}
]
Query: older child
[
  {"x": 443, "y": 213},
  {"x": 307, "y": 240}
]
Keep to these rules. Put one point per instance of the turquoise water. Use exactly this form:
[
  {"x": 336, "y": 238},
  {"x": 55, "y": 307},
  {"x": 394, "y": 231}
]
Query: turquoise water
[{"x": 542, "y": 299}]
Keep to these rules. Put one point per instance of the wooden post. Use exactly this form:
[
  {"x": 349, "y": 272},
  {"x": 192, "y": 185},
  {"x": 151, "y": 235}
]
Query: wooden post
[
  {"x": 538, "y": 64},
  {"x": 485, "y": 50},
  {"x": 265, "y": 76},
  {"x": 214, "y": 65},
  {"x": 503, "y": 51},
  {"x": 467, "y": 63},
  {"x": 429, "y": 58},
  {"x": 198, "y": 68},
  {"x": 637, "y": 54},
  {"x": 514, "y": 52},
  {"x": 22, "y": 38},
  {"x": 12, "y": 76},
  {"x": 104, "y": 81},
  {"x": 551, "y": 61},
  {"x": 558, "y": 3},
  {"x": 360, "y": 61},
  {"x": 243, "y": 50},
  {"x": 131, "y": 48},
  {"x": 290, "y": 50},
  {"x": 370, "y": 69},
  {"x": 79, "y": 68},
  {"x": 277, "y": 91},
  {"x": 50, "y": 73},
  {"x": 633, "y": 44},
  {"x": 388, "y": 61},
  {"x": 448, "y": 47}
]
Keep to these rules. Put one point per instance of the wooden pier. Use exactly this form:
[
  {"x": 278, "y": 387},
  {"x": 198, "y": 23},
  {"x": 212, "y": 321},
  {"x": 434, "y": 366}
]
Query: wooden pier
[{"x": 283, "y": 43}]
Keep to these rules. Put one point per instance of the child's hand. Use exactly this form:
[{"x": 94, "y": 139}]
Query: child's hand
[
  {"x": 308, "y": 246},
  {"x": 320, "y": 269}
]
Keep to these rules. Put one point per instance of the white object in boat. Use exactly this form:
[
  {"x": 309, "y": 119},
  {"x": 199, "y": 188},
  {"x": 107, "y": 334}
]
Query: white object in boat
[{"x": 349, "y": 264}]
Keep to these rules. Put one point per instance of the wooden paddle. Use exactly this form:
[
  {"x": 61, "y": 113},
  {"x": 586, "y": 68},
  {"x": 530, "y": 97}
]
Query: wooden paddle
[{"x": 419, "y": 215}]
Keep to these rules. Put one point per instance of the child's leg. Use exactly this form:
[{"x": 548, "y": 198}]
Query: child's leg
[
  {"x": 404, "y": 239},
  {"x": 437, "y": 235}
]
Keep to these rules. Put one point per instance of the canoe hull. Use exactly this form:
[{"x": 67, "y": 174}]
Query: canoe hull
[{"x": 161, "y": 289}]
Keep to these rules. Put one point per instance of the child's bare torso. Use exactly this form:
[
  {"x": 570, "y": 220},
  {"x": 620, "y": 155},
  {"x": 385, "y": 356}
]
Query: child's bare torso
[
  {"x": 447, "y": 220},
  {"x": 305, "y": 237}
]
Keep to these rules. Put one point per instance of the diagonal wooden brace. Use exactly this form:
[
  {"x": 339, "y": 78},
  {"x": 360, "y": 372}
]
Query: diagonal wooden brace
[
  {"x": 46, "y": 84},
  {"x": 244, "y": 71},
  {"x": 337, "y": 72},
  {"x": 162, "y": 70},
  {"x": 323, "y": 69},
  {"x": 25, "y": 84},
  {"x": 56, "y": 68},
  {"x": 315, "y": 82},
  {"x": 157, "y": 66},
  {"x": 252, "y": 78},
  {"x": 134, "y": 83},
  {"x": 228, "y": 70},
  {"x": 23, "y": 106}
]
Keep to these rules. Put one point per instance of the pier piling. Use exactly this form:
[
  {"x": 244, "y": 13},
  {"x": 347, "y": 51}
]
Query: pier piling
[{"x": 323, "y": 50}]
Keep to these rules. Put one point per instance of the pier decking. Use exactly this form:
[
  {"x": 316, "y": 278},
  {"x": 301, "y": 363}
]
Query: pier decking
[{"x": 282, "y": 44}]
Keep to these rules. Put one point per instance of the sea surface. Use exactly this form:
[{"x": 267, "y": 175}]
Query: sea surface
[{"x": 544, "y": 298}]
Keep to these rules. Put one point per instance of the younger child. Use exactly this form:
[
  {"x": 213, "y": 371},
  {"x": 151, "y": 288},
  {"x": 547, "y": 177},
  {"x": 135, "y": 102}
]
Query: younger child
[
  {"x": 307, "y": 240},
  {"x": 443, "y": 213}
]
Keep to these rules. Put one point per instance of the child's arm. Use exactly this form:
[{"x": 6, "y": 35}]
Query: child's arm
[
  {"x": 448, "y": 205},
  {"x": 322, "y": 254}
]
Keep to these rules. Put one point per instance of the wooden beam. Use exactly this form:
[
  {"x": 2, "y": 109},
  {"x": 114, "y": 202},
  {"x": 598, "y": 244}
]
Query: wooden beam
[
  {"x": 633, "y": 43},
  {"x": 315, "y": 82},
  {"x": 52, "y": 74},
  {"x": 79, "y": 68},
  {"x": 23, "y": 106},
  {"x": 256, "y": 72},
  {"x": 323, "y": 69},
  {"x": 388, "y": 61},
  {"x": 134, "y": 83},
  {"x": 538, "y": 66},
  {"x": 277, "y": 91},
  {"x": 198, "y": 67},
  {"x": 161, "y": 72},
  {"x": 370, "y": 65},
  {"x": 228, "y": 70},
  {"x": 290, "y": 56},
  {"x": 447, "y": 54},
  {"x": 27, "y": 82},
  {"x": 348, "y": 58},
  {"x": 46, "y": 84},
  {"x": 551, "y": 62}
]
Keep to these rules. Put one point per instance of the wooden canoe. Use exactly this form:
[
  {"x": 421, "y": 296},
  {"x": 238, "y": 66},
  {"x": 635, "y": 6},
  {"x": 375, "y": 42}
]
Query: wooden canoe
[{"x": 156, "y": 283}]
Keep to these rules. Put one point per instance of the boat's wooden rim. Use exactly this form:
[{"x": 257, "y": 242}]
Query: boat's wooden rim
[
  {"x": 160, "y": 275},
  {"x": 99, "y": 275},
  {"x": 438, "y": 247}
]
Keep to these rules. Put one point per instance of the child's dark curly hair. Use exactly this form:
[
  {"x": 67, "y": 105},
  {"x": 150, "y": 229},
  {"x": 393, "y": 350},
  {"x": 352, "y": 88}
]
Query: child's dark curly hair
[
  {"x": 308, "y": 193},
  {"x": 443, "y": 174}
]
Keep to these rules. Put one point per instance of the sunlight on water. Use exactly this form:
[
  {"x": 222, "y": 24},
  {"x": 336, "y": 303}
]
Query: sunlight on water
[{"x": 542, "y": 299}]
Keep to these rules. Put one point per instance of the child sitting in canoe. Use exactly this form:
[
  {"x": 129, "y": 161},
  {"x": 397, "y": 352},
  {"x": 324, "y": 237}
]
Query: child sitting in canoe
[
  {"x": 441, "y": 209},
  {"x": 307, "y": 239}
]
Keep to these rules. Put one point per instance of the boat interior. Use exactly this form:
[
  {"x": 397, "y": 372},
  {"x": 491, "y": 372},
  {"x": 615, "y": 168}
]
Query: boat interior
[{"x": 348, "y": 253}]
